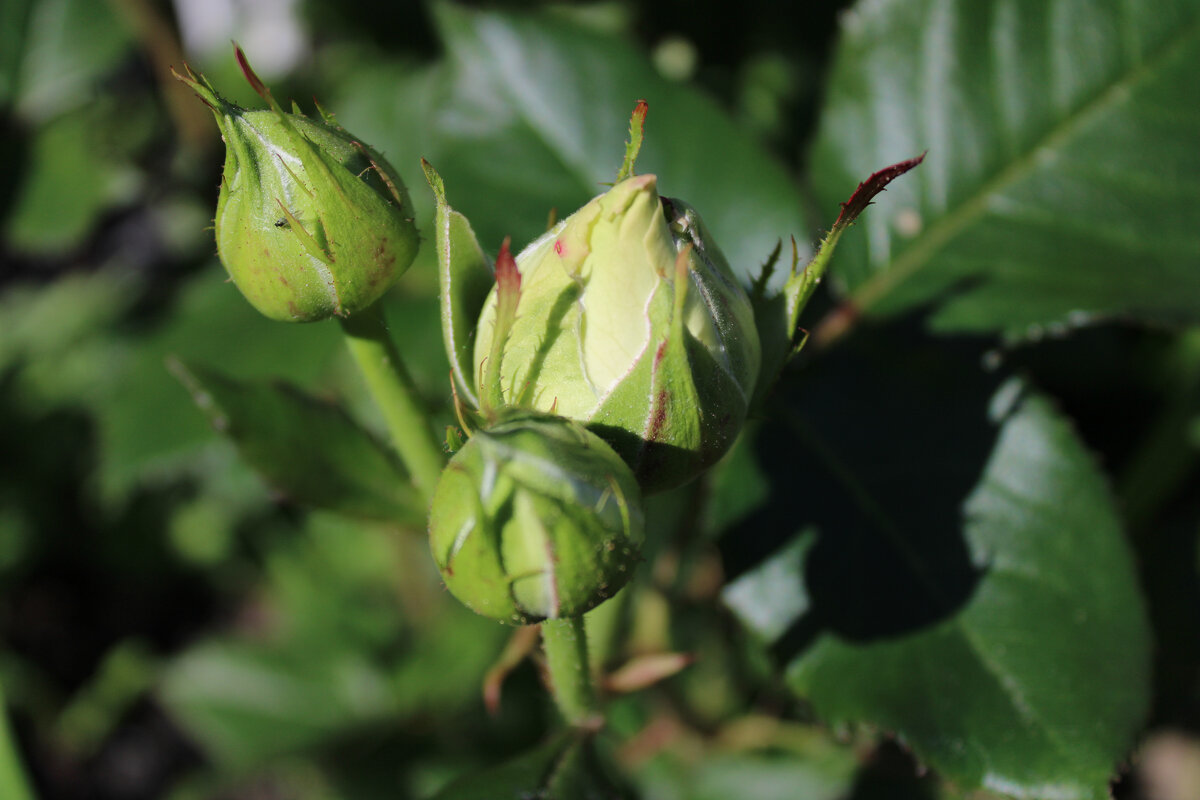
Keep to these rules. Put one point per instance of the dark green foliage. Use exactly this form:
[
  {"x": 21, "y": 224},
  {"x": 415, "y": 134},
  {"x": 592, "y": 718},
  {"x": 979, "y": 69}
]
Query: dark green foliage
[{"x": 954, "y": 556}]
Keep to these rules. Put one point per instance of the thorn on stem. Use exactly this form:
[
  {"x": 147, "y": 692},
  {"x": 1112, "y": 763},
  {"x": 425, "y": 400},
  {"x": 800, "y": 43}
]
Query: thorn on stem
[{"x": 759, "y": 286}]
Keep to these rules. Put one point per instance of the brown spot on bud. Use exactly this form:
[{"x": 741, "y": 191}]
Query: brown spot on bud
[{"x": 658, "y": 416}]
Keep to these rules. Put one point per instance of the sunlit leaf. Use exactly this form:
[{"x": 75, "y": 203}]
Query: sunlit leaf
[
  {"x": 992, "y": 620},
  {"x": 1062, "y": 177}
]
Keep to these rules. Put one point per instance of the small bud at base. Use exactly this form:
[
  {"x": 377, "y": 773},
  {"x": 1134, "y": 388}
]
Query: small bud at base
[{"x": 535, "y": 518}]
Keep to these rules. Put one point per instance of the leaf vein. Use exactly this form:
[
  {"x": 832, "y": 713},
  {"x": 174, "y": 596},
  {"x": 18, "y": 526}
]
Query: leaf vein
[{"x": 976, "y": 206}]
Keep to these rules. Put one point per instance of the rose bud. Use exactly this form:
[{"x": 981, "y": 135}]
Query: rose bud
[
  {"x": 310, "y": 222},
  {"x": 535, "y": 518},
  {"x": 631, "y": 321}
]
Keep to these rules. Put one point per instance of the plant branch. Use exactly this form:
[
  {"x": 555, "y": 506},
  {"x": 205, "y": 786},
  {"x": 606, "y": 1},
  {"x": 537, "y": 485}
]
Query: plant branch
[{"x": 394, "y": 392}]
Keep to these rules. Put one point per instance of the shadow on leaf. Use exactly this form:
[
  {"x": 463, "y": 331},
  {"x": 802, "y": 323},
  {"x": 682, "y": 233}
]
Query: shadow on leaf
[{"x": 888, "y": 556}]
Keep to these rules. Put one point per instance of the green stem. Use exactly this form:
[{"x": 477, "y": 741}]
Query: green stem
[
  {"x": 838, "y": 321},
  {"x": 393, "y": 389},
  {"x": 565, "y": 642},
  {"x": 13, "y": 783}
]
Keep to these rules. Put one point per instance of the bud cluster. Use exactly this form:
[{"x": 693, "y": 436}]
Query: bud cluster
[{"x": 616, "y": 355}]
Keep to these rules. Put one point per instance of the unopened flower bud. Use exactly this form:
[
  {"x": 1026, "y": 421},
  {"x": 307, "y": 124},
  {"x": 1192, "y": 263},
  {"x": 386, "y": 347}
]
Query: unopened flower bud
[
  {"x": 310, "y": 222},
  {"x": 535, "y": 518},
  {"x": 631, "y": 321}
]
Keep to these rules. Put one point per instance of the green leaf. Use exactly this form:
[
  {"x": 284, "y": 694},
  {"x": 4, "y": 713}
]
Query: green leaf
[
  {"x": 464, "y": 280},
  {"x": 149, "y": 430},
  {"x": 760, "y": 758},
  {"x": 246, "y": 702},
  {"x": 308, "y": 449},
  {"x": 759, "y": 777},
  {"x": 127, "y": 670},
  {"x": 14, "y": 20},
  {"x": 69, "y": 181},
  {"x": 530, "y": 112},
  {"x": 66, "y": 50},
  {"x": 147, "y": 423},
  {"x": 972, "y": 594},
  {"x": 1062, "y": 176},
  {"x": 84, "y": 307},
  {"x": 354, "y": 636},
  {"x": 328, "y": 604}
]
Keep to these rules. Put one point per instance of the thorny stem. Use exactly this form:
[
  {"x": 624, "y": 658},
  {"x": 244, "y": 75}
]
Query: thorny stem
[
  {"x": 394, "y": 392},
  {"x": 565, "y": 642},
  {"x": 802, "y": 284},
  {"x": 840, "y": 320},
  {"x": 637, "y": 124}
]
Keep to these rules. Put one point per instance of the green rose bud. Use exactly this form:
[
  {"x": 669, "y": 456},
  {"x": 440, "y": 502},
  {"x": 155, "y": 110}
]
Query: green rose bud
[
  {"x": 535, "y": 518},
  {"x": 310, "y": 222},
  {"x": 631, "y": 321}
]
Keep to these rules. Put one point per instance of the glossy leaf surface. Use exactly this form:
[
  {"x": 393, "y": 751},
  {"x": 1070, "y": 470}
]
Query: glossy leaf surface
[
  {"x": 1062, "y": 173},
  {"x": 971, "y": 593}
]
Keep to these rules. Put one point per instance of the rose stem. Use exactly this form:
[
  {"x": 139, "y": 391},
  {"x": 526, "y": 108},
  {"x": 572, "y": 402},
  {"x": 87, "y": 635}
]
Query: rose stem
[{"x": 394, "y": 392}]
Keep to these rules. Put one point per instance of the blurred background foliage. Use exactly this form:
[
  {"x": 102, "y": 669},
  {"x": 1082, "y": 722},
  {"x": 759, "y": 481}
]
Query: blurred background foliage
[{"x": 963, "y": 536}]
